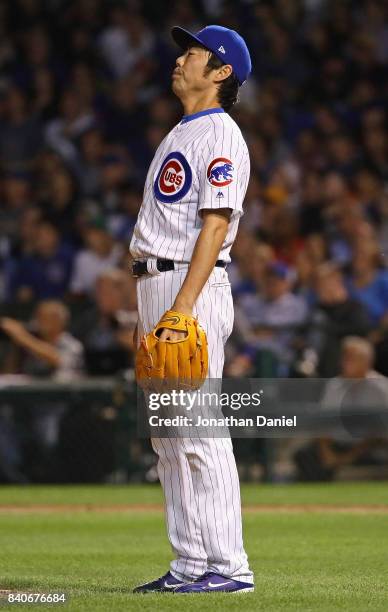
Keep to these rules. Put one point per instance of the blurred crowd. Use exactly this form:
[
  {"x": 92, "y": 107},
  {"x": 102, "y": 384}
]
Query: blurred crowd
[{"x": 84, "y": 101}]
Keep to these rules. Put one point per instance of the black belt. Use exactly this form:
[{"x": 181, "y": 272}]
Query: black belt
[{"x": 139, "y": 268}]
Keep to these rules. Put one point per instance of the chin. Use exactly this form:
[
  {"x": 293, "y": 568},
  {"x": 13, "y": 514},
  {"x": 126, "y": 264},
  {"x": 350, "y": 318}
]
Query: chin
[
  {"x": 175, "y": 87},
  {"x": 175, "y": 90}
]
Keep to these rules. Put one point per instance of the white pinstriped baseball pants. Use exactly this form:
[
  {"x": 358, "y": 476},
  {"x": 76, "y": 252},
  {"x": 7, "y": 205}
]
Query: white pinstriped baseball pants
[{"x": 199, "y": 475}]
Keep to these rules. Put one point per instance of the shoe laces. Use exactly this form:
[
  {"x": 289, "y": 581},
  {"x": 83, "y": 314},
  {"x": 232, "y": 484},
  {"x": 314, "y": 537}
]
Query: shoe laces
[{"x": 203, "y": 577}]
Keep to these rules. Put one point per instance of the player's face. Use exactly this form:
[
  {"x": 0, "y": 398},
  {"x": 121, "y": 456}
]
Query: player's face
[{"x": 189, "y": 74}]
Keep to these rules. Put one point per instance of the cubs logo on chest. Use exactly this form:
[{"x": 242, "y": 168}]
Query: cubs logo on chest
[
  {"x": 174, "y": 178},
  {"x": 220, "y": 172}
]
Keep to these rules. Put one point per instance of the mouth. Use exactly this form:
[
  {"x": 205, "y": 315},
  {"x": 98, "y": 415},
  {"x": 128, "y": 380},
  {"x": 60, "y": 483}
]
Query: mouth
[{"x": 176, "y": 73}]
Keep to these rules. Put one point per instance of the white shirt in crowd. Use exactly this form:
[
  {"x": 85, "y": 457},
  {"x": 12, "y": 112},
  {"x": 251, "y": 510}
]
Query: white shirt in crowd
[
  {"x": 88, "y": 266},
  {"x": 71, "y": 354}
]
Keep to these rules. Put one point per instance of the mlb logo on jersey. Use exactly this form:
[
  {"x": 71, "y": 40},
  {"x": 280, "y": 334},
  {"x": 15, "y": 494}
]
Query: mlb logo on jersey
[
  {"x": 174, "y": 178},
  {"x": 219, "y": 172}
]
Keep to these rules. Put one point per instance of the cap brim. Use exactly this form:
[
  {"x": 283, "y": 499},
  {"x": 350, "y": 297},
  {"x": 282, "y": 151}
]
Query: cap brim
[{"x": 184, "y": 38}]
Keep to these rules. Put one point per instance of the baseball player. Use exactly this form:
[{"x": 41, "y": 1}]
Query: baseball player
[{"x": 187, "y": 223}]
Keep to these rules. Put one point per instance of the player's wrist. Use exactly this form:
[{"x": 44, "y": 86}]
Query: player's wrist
[{"x": 183, "y": 306}]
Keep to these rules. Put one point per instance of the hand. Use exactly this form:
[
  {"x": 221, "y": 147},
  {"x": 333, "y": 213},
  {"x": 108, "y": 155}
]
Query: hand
[
  {"x": 12, "y": 327},
  {"x": 170, "y": 334}
]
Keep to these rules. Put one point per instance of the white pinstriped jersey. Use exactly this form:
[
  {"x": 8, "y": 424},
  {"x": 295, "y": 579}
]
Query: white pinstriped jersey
[{"x": 202, "y": 163}]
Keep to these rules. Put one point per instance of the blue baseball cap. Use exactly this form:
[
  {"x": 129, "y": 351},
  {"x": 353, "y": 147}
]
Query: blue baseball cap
[{"x": 226, "y": 44}]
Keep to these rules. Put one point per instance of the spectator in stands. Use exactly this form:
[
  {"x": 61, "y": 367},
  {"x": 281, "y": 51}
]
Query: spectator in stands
[
  {"x": 268, "y": 319},
  {"x": 376, "y": 148},
  {"x": 123, "y": 116},
  {"x": 311, "y": 218},
  {"x": 47, "y": 164},
  {"x": 20, "y": 133},
  {"x": 368, "y": 282},
  {"x": 19, "y": 247},
  {"x": 44, "y": 349},
  {"x": 313, "y": 254},
  {"x": 46, "y": 272},
  {"x": 251, "y": 220},
  {"x": 335, "y": 316},
  {"x": 92, "y": 147},
  {"x": 48, "y": 350},
  {"x": 63, "y": 130},
  {"x": 106, "y": 330},
  {"x": 322, "y": 459},
  {"x": 39, "y": 51},
  {"x": 115, "y": 172},
  {"x": 44, "y": 103},
  {"x": 16, "y": 196},
  {"x": 285, "y": 236},
  {"x": 122, "y": 223},
  {"x": 370, "y": 191},
  {"x": 100, "y": 253},
  {"x": 60, "y": 204},
  {"x": 125, "y": 41},
  {"x": 84, "y": 82},
  {"x": 24, "y": 243},
  {"x": 250, "y": 259}
]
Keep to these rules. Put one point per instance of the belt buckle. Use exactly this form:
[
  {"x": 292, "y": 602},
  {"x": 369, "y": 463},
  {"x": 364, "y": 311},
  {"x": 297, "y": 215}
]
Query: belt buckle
[{"x": 152, "y": 267}]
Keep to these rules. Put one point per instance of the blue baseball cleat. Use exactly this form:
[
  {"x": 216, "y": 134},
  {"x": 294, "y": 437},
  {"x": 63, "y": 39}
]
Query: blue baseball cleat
[
  {"x": 166, "y": 584},
  {"x": 215, "y": 583}
]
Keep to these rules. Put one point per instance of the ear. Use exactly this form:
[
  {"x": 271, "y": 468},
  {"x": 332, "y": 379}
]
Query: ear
[{"x": 223, "y": 72}]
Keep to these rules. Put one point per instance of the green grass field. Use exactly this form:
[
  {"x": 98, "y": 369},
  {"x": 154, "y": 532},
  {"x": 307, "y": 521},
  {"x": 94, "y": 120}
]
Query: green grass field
[{"x": 309, "y": 557}]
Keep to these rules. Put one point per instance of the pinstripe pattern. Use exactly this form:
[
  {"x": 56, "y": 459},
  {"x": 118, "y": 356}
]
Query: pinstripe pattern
[
  {"x": 199, "y": 475},
  {"x": 170, "y": 230}
]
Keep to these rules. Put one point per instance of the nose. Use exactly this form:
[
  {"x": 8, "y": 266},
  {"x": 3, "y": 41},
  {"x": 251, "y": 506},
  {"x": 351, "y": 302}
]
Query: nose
[{"x": 179, "y": 60}]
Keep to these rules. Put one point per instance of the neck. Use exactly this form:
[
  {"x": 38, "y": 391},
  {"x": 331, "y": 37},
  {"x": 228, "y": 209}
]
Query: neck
[{"x": 203, "y": 102}]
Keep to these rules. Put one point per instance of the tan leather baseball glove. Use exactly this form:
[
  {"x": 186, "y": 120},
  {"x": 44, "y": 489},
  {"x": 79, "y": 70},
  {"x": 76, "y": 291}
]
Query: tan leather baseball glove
[{"x": 179, "y": 364}]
